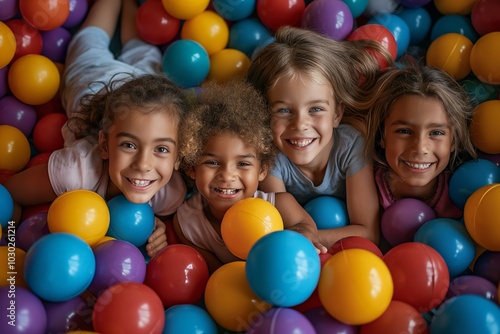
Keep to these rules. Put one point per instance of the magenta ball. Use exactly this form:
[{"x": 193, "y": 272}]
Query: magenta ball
[
  {"x": 487, "y": 265},
  {"x": 28, "y": 314},
  {"x": 70, "y": 315},
  {"x": 77, "y": 12},
  {"x": 281, "y": 320},
  {"x": 472, "y": 285},
  {"x": 330, "y": 18},
  {"x": 401, "y": 220},
  {"x": 17, "y": 114},
  {"x": 116, "y": 261},
  {"x": 31, "y": 229},
  {"x": 55, "y": 44},
  {"x": 324, "y": 323},
  {"x": 4, "y": 86}
]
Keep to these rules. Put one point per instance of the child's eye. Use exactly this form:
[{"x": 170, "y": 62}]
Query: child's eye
[
  {"x": 437, "y": 133},
  {"x": 282, "y": 111},
  {"x": 162, "y": 149},
  {"x": 210, "y": 163},
  {"x": 244, "y": 164},
  {"x": 316, "y": 109},
  {"x": 403, "y": 131},
  {"x": 128, "y": 145}
]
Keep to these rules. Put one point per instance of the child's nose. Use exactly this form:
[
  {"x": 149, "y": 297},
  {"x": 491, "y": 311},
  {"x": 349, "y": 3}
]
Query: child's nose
[
  {"x": 227, "y": 174},
  {"x": 301, "y": 121},
  {"x": 421, "y": 145},
  {"x": 144, "y": 161}
]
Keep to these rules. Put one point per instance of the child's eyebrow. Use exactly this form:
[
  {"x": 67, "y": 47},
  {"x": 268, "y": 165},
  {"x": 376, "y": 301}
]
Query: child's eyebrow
[
  {"x": 131, "y": 136},
  {"x": 241, "y": 156},
  {"x": 430, "y": 125}
]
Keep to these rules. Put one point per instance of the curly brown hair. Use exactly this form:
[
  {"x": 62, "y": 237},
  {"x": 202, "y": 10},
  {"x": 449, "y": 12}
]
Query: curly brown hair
[{"x": 234, "y": 107}]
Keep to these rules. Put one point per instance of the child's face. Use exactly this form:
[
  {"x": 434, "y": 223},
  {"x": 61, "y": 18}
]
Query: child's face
[
  {"x": 418, "y": 139},
  {"x": 227, "y": 172},
  {"x": 141, "y": 149},
  {"x": 304, "y": 115}
]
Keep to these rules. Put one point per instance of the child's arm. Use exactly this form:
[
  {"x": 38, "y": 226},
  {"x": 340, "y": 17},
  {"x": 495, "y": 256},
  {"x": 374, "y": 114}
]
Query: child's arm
[
  {"x": 295, "y": 218},
  {"x": 158, "y": 239},
  {"x": 272, "y": 184},
  {"x": 363, "y": 207},
  {"x": 212, "y": 261}
]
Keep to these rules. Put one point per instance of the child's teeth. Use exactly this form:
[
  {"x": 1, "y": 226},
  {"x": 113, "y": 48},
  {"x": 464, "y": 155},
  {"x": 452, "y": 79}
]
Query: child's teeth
[
  {"x": 301, "y": 143},
  {"x": 140, "y": 183}
]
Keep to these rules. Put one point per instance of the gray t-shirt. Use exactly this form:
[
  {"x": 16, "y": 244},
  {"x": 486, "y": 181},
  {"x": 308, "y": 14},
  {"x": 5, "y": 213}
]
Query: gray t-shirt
[{"x": 346, "y": 159}]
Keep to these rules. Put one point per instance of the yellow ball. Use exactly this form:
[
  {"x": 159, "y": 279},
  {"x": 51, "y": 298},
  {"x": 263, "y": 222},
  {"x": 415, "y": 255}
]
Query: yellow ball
[
  {"x": 481, "y": 216},
  {"x": 229, "y": 299},
  {"x": 34, "y": 79},
  {"x": 183, "y": 9},
  {"x": 484, "y": 132},
  {"x": 7, "y": 45},
  {"x": 451, "y": 53},
  {"x": 15, "y": 149},
  {"x": 355, "y": 286},
  {"x": 484, "y": 58},
  {"x": 83, "y": 213},
  {"x": 458, "y": 7},
  {"x": 228, "y": 64},
  {"x": 103, "y": 240},
  {"x": 209, "y": 29},
  {"x": 246, "y": 222},
  {"x": 12, "y": 266}
]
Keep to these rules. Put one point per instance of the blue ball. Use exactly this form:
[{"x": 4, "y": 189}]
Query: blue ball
[
  {"x": 397, "y": 26},
  {"x": 469, "y": 177},
  {"x": 357, "y": 7},
  {"x": 419, "y": 22},
  {"x": 186, "y": 62},
  {"x": 186, "y": 318},
  {"x": 59, "y": 266},
  {"x": 283, "y": 268},
  {"x": 246, "y": 35},
  {"x": 449, "y": 238},
  {"x": 7, "y": 207},
  {"x": 328, "y": 212},
  {"x": 454, "y": 23},
  {"x": 261, "y": 45},
  {"x": 132, "y": 222},
  {"x": 234, "y": 10},
  {"x": 466, "y": 314}
]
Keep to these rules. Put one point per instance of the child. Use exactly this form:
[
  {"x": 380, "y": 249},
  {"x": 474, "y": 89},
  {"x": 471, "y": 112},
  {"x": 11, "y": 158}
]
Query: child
[
  {"x": 418, "y": 133},
  {"x": 123, "y": 137},
  {"x": 226, "y": 149},
  {"x": 312, "y": 84}
]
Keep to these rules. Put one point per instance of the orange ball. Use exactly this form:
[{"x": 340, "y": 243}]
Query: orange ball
[
  {"x": 246, "y": 222},
  {"x": 451, "y": 52},
  {"x": 209, "y": 29},
  {"x": 15, "y": 149},
  {"x": 7, "y": 45},
  {"x": 228, "y": 64},
  {"x": 44, "y": 14},
  {"x": 34, "y": 79},
  {"x": 458, "y": 7},
  {"x": 184, "y": 10},
  {"x": 484, "y": 58},
  {"x": 484, "y": 127}
]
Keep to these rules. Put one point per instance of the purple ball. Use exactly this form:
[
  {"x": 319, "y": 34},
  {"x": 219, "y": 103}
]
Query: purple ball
[
  {"x": 31, "y": 229},
  {"x": 401, "y": 220},
  {"x": 17, "y": 114},
  {"x": 8, "y": 9},
  {"x": 328, "y": 17},
  {"x": 281, "y": 320},
  {"x": 487, "y": 265},
  {"x": 472, "y": 285},
  {"x": 116, "y": 261},
  {"x": 55, "y": 44},
  {"x": 27, "y": 313},
  {"x": 73, "y": 314},
  {"x": 77, "y": 11},
  {"x": 324, "y": 323},
  {"x": 4, "y": 86}
]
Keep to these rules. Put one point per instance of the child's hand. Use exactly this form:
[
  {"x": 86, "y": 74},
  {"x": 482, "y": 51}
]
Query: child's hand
[
  {"x": 313, "y": 237},
  {"x": 158, "y": 239}
]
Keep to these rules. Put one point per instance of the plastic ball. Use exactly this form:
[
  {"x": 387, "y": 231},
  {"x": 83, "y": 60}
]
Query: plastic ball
[
  {"x": 354, "y": 241},
  {"x": 357, "y": 7},
  {"x": 12, "y": 265},
  {"x": 483, "y": 58},
  {"x": 419, "y": 23},
  {"x": 184, "y": 10},
  {"x": 34, "y": 79},
  {"x": 324, "y": 323},
  {"x": 246, "y": 34},
  {"x": 228, "y": 64},
  {"x": 8, "y": 9},
  {"x": 482, "y": 132},
  {"x": 419, "y": 273},
  {"x": 454, "y": 24},
  {"x": 375, "y": 7},
  {"x": 44, "y": 14},
  {"x": 188, "y": 319},
  {"x": 378, "y": 33},
  {"x": 328, "y": 212},
  {"x": 246, "y": 222},
  {"x": 14, "y": 149},
  {"x": 472, "y": 285},
  {"x": 229, "y": 299},
  {"x": 401, "y": 220},
  {"x": 28, "y": 39},
  {"x": 17, "y": 114},
  {"x": 83, "y": 213},
  {"x": 154, "y": 24},
  {"x": 39, "y": 159},
  {"x": 466, "y": 314},
  {"x": 178, "y": 274},
  {"x": 47, "y": 135},
  {"x": 234, "y": 10},
  {"x": 62, "y": 317},
  {"x": 4, "y": 86},
  {"x": 132, "y": 222},
  {"x": 128, "y": 307},
  {"x": 281, "y": 320},
  {"x": 481, "y": 210},
  {"x": 77, "y": 12},
  {"x": 31, "y": 229},
  {"x": 479, "y": 91},
  {"x": 452, "y": 53},
  {"x": 22, "y": 312},
  {"x": 331, "y": 18},
  {"x": 7, "y": 45},
  {"x": 55, "y": 44},
  {"x": 276, "y": 13},
  {"x": 116, "y": 261},
  {"x": 397, "y": 26},
  {"x": 59, "y": 266},
  {"x": 484, "y": 18},
  {"x": 451, "y": 239},
  {"x": 186, "y": 63},
  {"x": 460, "y": 7},
  {"x": 209, "y": 29},
  {"x": 469, "y": 177},
  {"x": 7, "y": 207},
  {"x": 286, "y": 277},
  {"x": 487, "y": 265}
]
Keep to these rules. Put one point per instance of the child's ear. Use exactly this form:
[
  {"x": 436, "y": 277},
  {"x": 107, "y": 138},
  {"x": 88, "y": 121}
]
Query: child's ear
[
  {"x": 103, "y": 146},
  {"x": 263, "y": 173},
  {"x": 339, "y": 113},
  {"x": 190, "y": 172},
  {"x": 177, "y": 163}
]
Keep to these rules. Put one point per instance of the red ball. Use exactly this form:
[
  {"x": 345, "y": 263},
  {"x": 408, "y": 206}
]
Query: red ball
[
  {"x": 355, "y": 242},
  {"x": 53, "y": 106},
  {"x": 154, "y": 24},
  {"x": 276, "y": 13},
  {"x": 378, "y": 33},
  {"x": 171, "y": 235},
  {"x": 28, "y": 39},
  {"x": 178, "y": 274},
  {"x": 38, "y": 159},
  {"x": 484, "y": 16},
  {"x": 47, "y": 135},
  {"x": 44, "y": 14},
  {"x": 419, "y": 273},
  {"x": 128, "y": 307}
]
